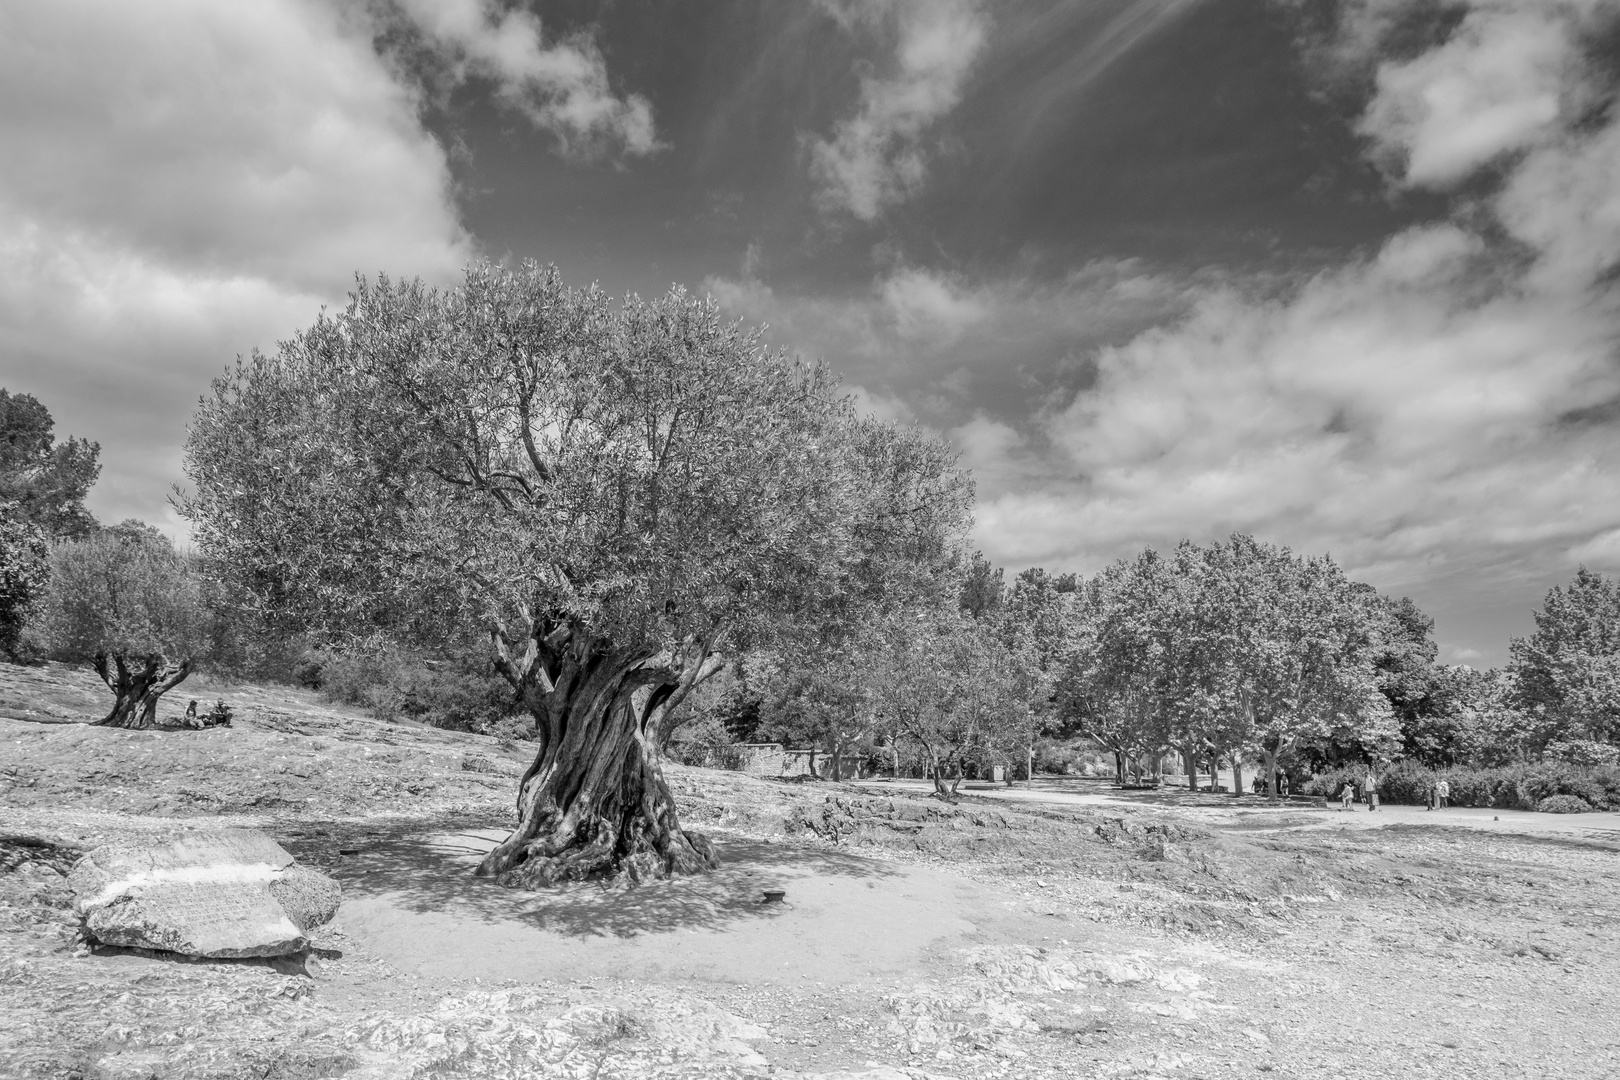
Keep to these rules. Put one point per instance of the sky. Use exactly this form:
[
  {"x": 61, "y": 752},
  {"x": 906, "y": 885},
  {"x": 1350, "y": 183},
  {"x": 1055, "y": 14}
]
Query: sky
[{"x": 1341, "y": 274}]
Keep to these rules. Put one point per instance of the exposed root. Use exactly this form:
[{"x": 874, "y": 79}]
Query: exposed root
[{"x": 537, "y": 866}]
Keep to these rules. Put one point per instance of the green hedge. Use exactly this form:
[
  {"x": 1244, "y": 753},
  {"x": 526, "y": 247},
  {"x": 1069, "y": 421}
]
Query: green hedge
[{"x": 1515, "y": 787}]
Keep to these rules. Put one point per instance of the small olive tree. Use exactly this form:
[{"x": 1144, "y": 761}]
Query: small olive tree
[
  {"x": 620, "y": 494},
  {"x": 125, "y": 600}
]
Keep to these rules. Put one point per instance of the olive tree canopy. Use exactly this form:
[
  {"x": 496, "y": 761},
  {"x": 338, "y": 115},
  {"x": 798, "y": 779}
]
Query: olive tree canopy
[{"x": 615, "y": 493}]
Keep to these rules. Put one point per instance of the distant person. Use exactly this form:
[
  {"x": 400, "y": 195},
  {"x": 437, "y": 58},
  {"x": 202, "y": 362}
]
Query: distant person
[
  {"x": 1259, "y": 784},
  {"x": 1370, "y": 786},
  {"x": 1348, "y": 795},
  {"x": 1282, "y": 783},
  {"x": 1442, "y": 794}
]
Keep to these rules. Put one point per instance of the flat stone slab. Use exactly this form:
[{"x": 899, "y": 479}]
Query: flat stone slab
[{"x": 230, "y": 893}]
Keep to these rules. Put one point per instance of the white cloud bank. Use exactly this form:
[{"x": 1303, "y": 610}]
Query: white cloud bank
[
  {"x": 183, "y": 180},
  {"x": 879, "y": 156}
]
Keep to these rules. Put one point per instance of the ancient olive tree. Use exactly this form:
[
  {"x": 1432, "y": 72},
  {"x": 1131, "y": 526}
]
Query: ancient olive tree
[{"x": 618, "y": 493}]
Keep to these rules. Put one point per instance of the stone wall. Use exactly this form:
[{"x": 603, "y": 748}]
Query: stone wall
[{"x": 773, "y": 759}]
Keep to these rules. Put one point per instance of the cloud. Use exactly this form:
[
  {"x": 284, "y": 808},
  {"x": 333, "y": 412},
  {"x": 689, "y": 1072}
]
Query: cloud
[
  {"x": 951, "y": 346},
  {"x": 924, "y": 304},
  {"x": 186, "y": 180},
  {"x": 878, "y": 157},
  {"x": 1443, "y": 410},
  {"x": 562, "y": 87},
  {"x": 1492, "y": 89}
]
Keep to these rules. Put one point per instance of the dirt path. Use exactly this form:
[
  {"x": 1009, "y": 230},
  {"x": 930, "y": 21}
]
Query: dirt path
[
  {"x": 1219, "y": 810},
  {"x": 848, "y": 920}
]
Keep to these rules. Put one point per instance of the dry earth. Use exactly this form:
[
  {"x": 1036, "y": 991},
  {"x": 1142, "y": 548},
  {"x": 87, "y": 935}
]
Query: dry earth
[{"x": 994, "y": 938}]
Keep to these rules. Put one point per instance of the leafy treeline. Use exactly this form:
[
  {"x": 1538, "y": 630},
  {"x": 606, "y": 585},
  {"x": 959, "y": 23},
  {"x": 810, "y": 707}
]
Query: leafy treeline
[
  {"x": 1223, "y": 653},
  {"x": 945, "y": 687}
]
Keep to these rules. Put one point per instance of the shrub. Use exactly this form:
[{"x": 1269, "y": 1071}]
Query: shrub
[
  {"x": 1406, "y": 783},
  {"x": 1607, "y": 777},
  {"x": 1498, "y": 788},
  {"x": 705, "y": 742},
  {"x": 1562, "y": 804},
  {"x": 391, "y": 684},
  {"x": 1330, "y": 783},
  {"x": 1550, "y": 778},
  {"x": 1515, "y": 787}
]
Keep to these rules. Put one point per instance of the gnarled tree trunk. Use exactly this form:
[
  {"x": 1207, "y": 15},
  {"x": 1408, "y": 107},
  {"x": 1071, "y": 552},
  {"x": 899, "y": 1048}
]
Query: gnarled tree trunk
[
  {"x": 137, "y": 687},
  {"x": 594, "y": 803}
]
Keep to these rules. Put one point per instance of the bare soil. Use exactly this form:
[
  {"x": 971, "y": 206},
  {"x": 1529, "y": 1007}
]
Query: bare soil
[{"x": 997, "y": 937}]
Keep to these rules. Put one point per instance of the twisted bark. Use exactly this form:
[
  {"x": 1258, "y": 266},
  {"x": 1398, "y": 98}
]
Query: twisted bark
[
  {"x": 594, "y": 803},
  {"x": 136, "y": 690}
]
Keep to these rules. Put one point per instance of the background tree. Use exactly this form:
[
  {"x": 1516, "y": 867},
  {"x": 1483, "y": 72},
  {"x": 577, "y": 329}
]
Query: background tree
[
  {"x": 983, "y": 587},
  {"x": 46, "y": 481},
  {"x": 950, "y": 686},
  {"x": 1405, "y": 664},
  {"x": 1223, "y": 650},
  {"x": 1036, "y": 620},
  {"x": 24, "y": 573},
  {"x": 622, "y": 494},
  {"x": 124, "y": 599},
  {"x": 1568, "y": 671},
  {"x": 1312, "y": 669},
  {"x": 824, "y": 698},
  {"x": 1110, "y": 679}
]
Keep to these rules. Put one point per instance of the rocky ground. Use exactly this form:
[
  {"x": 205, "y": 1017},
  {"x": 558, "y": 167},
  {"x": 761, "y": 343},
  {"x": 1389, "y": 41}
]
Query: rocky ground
[{"x": 919, "y": 939}]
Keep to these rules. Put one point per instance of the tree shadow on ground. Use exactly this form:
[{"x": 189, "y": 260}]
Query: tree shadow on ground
[{"x": 422, "y": 870}]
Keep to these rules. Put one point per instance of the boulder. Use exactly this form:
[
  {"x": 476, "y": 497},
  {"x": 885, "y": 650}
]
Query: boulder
[{"x": 229, "y": 893}]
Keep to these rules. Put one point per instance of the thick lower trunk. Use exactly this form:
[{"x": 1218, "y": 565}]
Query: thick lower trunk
[
  {"x": 1237, "y": 775},
  {"x": 137, "y": 687},
  {"x": 594, "y": 804}
]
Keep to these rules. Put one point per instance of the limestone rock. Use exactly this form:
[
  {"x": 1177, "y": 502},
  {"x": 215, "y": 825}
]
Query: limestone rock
[
  {"x": 309, "y": 897},
  {"x": 230, "y": 893}
]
